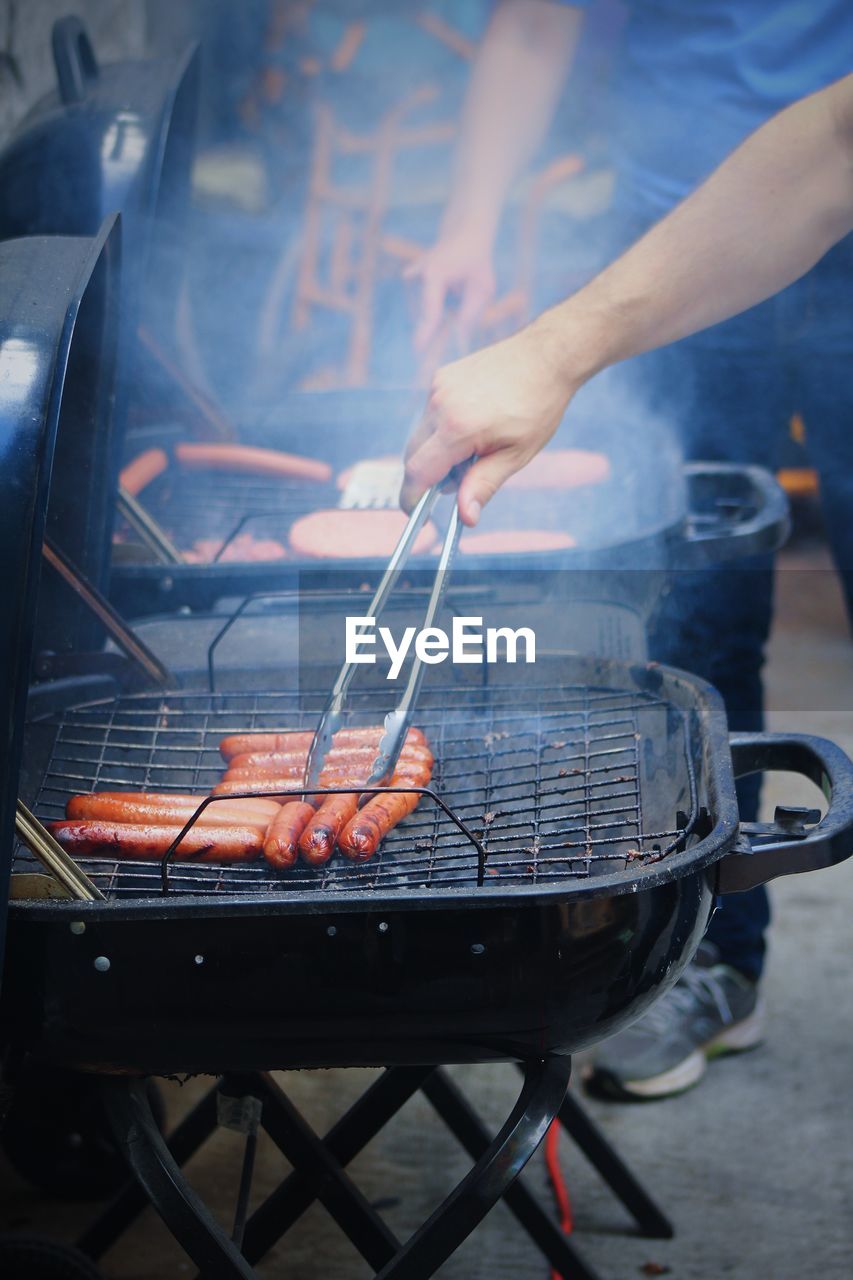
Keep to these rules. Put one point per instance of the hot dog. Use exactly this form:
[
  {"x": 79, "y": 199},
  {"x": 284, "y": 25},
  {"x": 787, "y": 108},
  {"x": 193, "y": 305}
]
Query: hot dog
[
  {"x": 368, "y": 827},
  {"x": 346, "y": 534},
  {"x": 163, "y": 810},
  {"x": 301, "y": 739},
  {"x": 98, "y": 838},
  {"x": 317, "y": 842},
  {"x": 247, "y": 458},
  {"x": 144, "y": 468},
  {"x": 281, "y": 846},
  {"x": 280, "y": 763}
]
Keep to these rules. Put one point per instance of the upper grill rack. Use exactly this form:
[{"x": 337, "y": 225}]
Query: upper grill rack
[
  {"x": 197, "y": 504},
  {"x": 558, "y": 783}
]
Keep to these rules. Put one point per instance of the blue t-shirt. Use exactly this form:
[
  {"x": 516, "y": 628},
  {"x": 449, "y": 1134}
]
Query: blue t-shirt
[{"x": 694, "y": 77}]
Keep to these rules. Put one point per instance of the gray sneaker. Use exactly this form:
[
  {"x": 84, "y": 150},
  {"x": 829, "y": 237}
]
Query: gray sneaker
[{"x": 710, "y": 1011}]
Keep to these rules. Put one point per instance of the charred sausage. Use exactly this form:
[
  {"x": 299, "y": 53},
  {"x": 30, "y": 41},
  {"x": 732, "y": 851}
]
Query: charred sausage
[
  {"x": 368, "y": 827},
  {"x": 98, "y": 838},
  {"x": 317, "y": 842},
  {"x": 281, "y": 846}
]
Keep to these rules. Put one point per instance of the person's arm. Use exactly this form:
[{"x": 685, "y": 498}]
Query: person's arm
[
  {"x": 770, "y": 211},
  {"x": 516, "y": 81}
]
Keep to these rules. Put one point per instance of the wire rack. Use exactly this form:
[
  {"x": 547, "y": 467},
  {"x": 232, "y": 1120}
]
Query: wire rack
[
  {"x": 558, "y": 784},
  {"x": 196, "y": 504}
]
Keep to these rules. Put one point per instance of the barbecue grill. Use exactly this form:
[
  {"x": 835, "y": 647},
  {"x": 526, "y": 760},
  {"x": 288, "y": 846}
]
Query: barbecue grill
[
  {"x": 561, "y": 875},
  {"x": 654, "y": 514}
]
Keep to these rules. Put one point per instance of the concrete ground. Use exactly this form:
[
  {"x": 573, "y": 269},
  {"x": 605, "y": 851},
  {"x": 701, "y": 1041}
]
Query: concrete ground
[{"x": 755, "y": 1166}]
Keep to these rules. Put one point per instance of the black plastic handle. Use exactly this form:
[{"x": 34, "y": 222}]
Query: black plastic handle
[
  {"x": 748, "y": 514},
  {"x": 766, "y": 855},
  {"x": 74, "y": 59}
]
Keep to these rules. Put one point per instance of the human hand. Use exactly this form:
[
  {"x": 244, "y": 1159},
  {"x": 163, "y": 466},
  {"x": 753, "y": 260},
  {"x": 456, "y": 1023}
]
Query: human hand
[
  {"x": 502, "y": 404},
  {"x": 459, "y": 264}
]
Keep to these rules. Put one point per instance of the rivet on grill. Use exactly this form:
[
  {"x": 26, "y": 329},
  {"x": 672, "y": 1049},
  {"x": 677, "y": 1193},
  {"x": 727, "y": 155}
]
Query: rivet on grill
[
  {"x": 199, "y": 959},
  {"x": 477, "y": 949},
  {"x": 102, "y": 964},
  {"x": 383, "y": 926},
  {"x": 77, "y": 926},
  {"x": 331, "y": 931}
]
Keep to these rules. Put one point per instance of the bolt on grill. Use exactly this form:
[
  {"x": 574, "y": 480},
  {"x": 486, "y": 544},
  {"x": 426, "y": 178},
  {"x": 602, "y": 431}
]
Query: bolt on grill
[{"x": 557, "y": 783}]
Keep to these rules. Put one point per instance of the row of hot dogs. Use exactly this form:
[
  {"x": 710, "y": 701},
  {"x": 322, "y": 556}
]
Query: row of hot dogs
[{"x": 239, "y": 827}]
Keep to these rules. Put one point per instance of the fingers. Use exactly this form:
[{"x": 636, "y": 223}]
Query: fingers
[
  {"x": 482, "y": 481},
  {"x": 433, "y": 294},
  {"x": 429, "y": 464},
  {"x": 475, "y": 299}
]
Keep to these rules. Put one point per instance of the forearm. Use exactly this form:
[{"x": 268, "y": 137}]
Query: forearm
[
  {"x": 515, "y": 84},
  {"x": 771, "y": 210}
]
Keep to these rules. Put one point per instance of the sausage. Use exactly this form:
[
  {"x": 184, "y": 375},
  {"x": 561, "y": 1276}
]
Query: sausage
[
  {"x": 248, "y": 458},
  {"x": 368, "y": 827},
  {"x": 142, "y": 469},
  {"x": 301, "y": 739},
  {"x": 500, "y": 542},
  {"x": 317, "y": 842},
  {"x": 281, "y": 846},
  {"x": 163, "y": 811},
  {"x": 280, "y": 763},
  {"x": 345, "y": 535},
  {"x": 98, "y": 838}
]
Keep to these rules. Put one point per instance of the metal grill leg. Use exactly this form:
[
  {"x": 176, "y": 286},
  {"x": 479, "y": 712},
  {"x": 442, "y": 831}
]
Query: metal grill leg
[
  {"x": 651, "y": 1220},
  {"x": 195, "y": 1128},
  {"x": 165, "y": 1186},
  {"x": 545, "y": 1084},
  {"x": 466, "y": 1125},
  {"x": 332, "y": 1187},
  {"x": 349, "y": 1135}
]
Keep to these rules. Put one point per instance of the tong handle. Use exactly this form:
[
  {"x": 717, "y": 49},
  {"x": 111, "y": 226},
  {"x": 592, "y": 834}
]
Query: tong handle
[{"x": 397, "y": 722}]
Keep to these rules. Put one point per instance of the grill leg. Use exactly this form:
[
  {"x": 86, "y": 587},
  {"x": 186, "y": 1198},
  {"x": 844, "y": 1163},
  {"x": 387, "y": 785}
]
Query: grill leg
[
  {"x": 466, "y": 1125},
  {"x": 195, "y": 1128},
  {"x": 158, "y": 1174},
  {"x": 651, "y": 1220},
  {"x": 497, "y": 1167},
  {"x": 345, "y": 1139},
  {"x": 332, "y": 1187}
]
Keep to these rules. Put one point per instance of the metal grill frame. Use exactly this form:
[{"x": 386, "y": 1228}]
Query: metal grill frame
[{"x": 706, "y": 744}]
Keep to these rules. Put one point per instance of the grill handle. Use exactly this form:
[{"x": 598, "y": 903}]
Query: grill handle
[
  {"x": 721, "y": 531},
  {"x": 787, "y": 847},
  {"x": 74, "y": 59}
]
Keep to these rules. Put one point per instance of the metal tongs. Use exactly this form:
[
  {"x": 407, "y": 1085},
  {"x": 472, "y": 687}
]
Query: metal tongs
[{"x": 398, "y": 721}]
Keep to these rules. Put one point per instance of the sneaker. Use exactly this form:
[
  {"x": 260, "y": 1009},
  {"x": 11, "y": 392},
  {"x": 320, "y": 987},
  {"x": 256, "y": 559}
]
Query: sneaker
[{"x": 710, "y": 1011}]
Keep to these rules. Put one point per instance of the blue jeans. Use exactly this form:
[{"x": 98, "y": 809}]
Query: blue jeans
[{"x": 734, "y": 405}]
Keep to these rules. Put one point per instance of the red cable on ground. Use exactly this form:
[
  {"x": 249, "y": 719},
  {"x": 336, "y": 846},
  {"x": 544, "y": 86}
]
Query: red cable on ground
[{"x": 558, "y": 1184}]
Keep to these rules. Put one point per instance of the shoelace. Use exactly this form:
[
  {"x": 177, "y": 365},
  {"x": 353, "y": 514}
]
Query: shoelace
[{"x": 694, "y": 986}]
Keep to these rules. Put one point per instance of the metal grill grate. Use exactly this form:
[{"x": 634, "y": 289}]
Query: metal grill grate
[
  {"x": 213, "y": 504},
  {"x": 557, "y": 782}
]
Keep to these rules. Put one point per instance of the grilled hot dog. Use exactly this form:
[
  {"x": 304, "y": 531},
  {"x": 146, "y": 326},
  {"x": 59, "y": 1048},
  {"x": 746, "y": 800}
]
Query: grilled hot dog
[
  {"x": 301, "y": 739},
  {"x": 281, "y": 846},
  {"x": 98, "y": 838}
]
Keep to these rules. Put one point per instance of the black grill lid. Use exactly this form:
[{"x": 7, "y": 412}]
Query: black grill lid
[
  {"x": 58, "y": 316},
  {"x": 113, "y": 138}
]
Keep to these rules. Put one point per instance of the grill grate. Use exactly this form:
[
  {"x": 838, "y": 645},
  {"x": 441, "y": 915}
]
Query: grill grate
[
  {"x": 557, "y": 782},
  {"x": 202, "y": 504}
]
